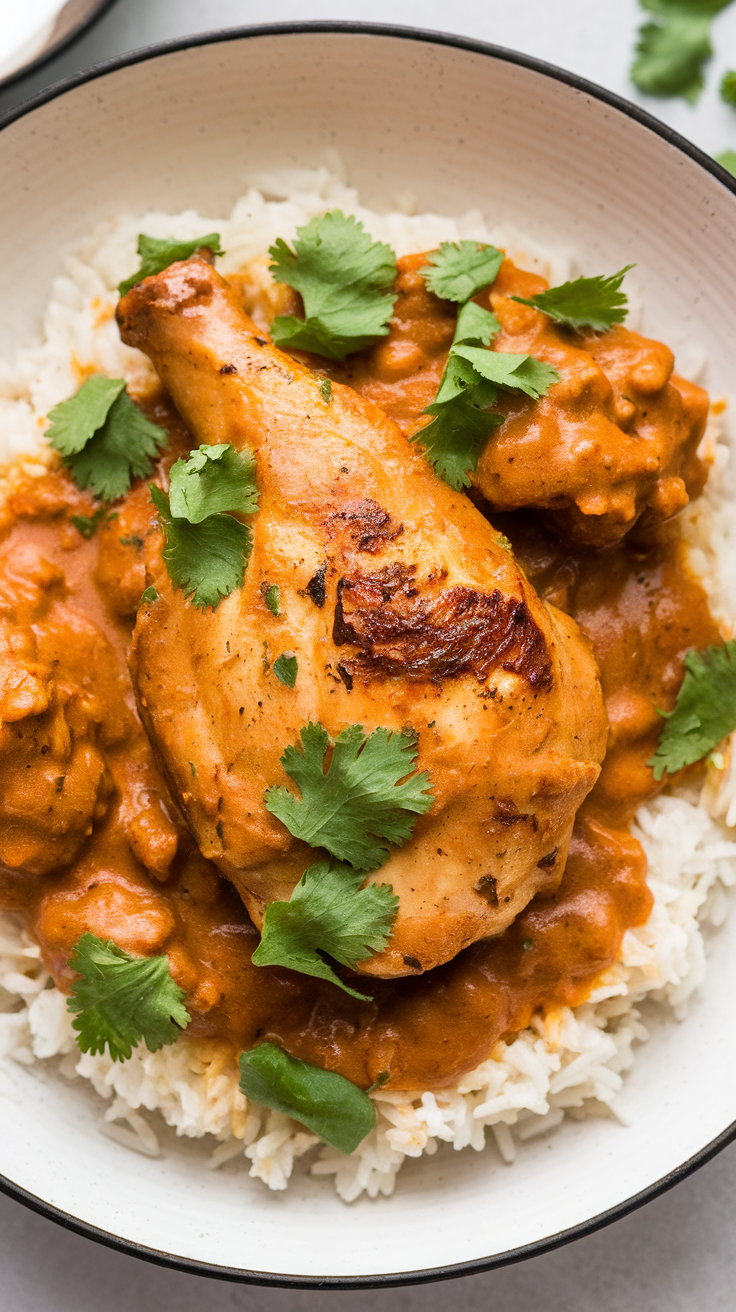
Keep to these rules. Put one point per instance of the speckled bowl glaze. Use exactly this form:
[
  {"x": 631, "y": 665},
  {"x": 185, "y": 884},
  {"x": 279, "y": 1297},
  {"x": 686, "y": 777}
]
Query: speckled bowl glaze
[{"x": 460, "y": 125}]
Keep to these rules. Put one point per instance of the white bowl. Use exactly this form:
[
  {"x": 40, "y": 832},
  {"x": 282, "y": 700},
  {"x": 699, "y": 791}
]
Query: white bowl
[{"x": 460, "y": 125}]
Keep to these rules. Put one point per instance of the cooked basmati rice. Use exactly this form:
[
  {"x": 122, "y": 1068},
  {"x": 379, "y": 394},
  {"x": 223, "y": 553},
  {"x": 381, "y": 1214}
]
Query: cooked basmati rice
[{"x": 569, "y": 1062}]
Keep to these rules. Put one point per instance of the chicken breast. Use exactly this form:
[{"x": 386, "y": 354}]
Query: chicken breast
[{"x": 403, "y": 607}]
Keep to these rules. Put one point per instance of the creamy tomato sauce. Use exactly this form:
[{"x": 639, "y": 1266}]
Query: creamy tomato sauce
[{"x": 90, "y": 839}]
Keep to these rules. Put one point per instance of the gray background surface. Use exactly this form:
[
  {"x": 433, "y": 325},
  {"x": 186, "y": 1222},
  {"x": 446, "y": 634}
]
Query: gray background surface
[{"x": 676, "y": 1255}]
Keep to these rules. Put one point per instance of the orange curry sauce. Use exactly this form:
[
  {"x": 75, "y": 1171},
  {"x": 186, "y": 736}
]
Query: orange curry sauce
[{"x": 90, "y": 839}]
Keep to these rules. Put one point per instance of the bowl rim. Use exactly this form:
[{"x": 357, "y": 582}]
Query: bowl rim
[
  {"x": 710, "y": 1150},
  {"x": 50, "y": 52}
]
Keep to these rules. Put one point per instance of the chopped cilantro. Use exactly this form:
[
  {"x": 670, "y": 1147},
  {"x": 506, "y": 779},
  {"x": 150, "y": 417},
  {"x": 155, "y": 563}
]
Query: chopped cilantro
[
  {"x": 211, "y": 480},
  {"x": 325, "y": 1102},
  {"x": 150, "y": 595},
  {"x": 344, "y": 279},
  {"x": 452, "y": 442},
  {"x": 460, "y": 269},
  {"x": 103, "y": 438},
  {"x": 325, "y": 390},
  {"x": 120, "y": 1000},
  {"x": 728, "y": 88},
  {"x": 207, "y": 561},
  {"x": 133, "y": 541},
  {"x": 328, "y": 913},
  {"x": 727, "y": 160},
  {"x": 157, "y": 253},
  {"x": 705, "y": 710},
  {"x": 359, "y": 799},
  {"x": 88, "y": 525},
  {"x": 272, "y": 598},
  {"x": 585, "y": 303},
  {"x": 285, "y": 668},
  {"x": 382, "y": 1078},
  {"x": 673, "y": 47}
]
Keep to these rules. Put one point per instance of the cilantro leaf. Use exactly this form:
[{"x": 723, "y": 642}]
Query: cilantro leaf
[
  {"x": 705, "y": 710},
  {"x": 672, "y": 49},
  {"x": 727, "y": 160},
  {"x": 584, "y": 303},
  {"x": 358, "y": 800},
  {"x": 88, "y": 525},
  {"x": 728, "y": 88},
  {"x": 522, "y": 373},
  {"x": 344, "y": 279},
  {"x": 460, "y": 269},
  {"x": 325, "y": 1102},
  {"x": 213, "y": 479},
  {"x": 75, "y": 422},
  {"x": 272, "y": 598},
  {"x": 148, "y": 596},
  {"x": 206, "y": 561},
  {"x": 120, "y": 1000},
  {"x": 157, "y": 253},
  {"x": 285, "y": 667},
  {"x": 452, "y": 442},
  {"x": 328, "y": 913},
  {"x": 325, "y": 390},
  {"x": 103, "y": 438}
]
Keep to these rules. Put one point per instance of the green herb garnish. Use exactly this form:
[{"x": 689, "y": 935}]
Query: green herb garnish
[
  {"x": 460, "y": 269},
  {"x": 727, "y": 88},
  {"x": 461, "y": 414},
  {"x": 705, "y": 710},
  {"x": 285, "y": 667},
  {"x": 157, "y": 253},
  {"x": 121, "y": 1000},
  {"x": 727, "y": 160},
  {"x": 673, "y": 46},
  {"x": 212, "y": 480},
  {"x": 359, "y": 799},
  {"x": 206, "y": 550},
  {"x": 148, "y": 597},
  {"x": 103, "y": 438},
  {"x": 88, "y": 525},
  {"x": 344, "y": 279},
  {"x": 325, "y": 1102},
  {"x": 585, "y": 303},
  {"x": 272, "y": 598},
  {"x": 328, "y": 913},
  {"x": 325, "y": 390}
]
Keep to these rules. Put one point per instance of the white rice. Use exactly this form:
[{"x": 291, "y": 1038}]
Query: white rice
[{"x": 569, "y": 1062}]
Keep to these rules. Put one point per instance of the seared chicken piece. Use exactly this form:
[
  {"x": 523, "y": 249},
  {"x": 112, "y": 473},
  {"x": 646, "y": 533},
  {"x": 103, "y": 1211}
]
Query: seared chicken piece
[{"x": 403, "y": 607}]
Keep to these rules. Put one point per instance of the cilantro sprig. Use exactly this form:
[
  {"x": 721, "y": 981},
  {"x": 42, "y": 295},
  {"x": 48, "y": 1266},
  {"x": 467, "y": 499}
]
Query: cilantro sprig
[
  {"x": 460, "y": 269},
  {"x": 704, "y": 713},
  {"x": 328, "y": 914},
  {"x": 462, "y": 418},
  {"x": 595, "y": 303},
  {"x": 359, "y": 799},
  {"x": 206, "y": 550},
  {"x": 103, "y": 438},
  {"x": 673, "y": 46},
  {"x": 157, "y": 253},
  {"x": 325, "y": 1102},
  {"x": 344, "y": 279},
  {"x": 120, "y": 1001}
]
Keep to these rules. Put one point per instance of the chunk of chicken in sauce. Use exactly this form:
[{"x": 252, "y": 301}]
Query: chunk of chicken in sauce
[
  {"x": 403, "y": 608},
  {"x": 612, "y": 445}
]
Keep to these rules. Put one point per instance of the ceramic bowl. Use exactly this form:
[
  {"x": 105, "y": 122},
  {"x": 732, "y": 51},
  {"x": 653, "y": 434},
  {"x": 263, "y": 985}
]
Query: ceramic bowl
[{"x": 460, "y": 125}]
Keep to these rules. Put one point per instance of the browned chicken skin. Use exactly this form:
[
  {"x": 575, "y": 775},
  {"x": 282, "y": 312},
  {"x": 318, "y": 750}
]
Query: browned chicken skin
[{"x": 402, "y": 606}]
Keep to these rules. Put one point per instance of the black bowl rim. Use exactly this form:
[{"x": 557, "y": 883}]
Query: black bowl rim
[
  {"x": 705, "y": 1154},
  {"x": 51, "y": 52}
]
